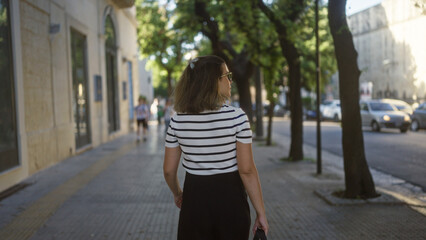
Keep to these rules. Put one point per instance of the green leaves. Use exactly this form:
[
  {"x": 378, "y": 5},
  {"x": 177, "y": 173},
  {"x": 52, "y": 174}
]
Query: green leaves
[
  {"x": 159, "y": 39},
  {"x": 166, "y": 33}
]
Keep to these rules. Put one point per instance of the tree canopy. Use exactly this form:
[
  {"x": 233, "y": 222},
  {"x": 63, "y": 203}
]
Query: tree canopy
[{"x": 168, "y": 31}]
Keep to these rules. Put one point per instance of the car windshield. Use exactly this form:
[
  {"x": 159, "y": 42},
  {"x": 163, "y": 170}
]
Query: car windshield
[
  {"x": 381, "y": 107},
  {"x": 400, "y": 107}
]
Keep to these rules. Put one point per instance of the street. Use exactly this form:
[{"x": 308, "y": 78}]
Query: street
[{"x": 389, "y": 151}]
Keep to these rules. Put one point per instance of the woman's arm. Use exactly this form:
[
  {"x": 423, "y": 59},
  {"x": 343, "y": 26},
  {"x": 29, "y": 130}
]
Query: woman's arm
[
  {"x": 250, "y": 178},
  {"x": 170, "y": 167}
]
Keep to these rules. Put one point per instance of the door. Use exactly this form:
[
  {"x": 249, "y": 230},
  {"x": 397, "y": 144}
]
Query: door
[
  {"x": 131, "y": 107},
  {"x": 80, "y": 89},
  {"x": 9, "y": 157},
  {"x": 111, "y": 76}
]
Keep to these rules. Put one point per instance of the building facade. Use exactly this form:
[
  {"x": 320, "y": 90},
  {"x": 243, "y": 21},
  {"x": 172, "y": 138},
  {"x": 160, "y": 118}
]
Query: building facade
[
  {"x": 146, "y": 87},
  {"x": 69, "y": 80},
  {"x": 390, "y": 40}
]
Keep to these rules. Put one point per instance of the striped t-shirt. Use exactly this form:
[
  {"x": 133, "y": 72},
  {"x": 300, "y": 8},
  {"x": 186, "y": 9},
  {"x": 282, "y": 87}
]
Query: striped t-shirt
[{"x": 208, "y": 139}]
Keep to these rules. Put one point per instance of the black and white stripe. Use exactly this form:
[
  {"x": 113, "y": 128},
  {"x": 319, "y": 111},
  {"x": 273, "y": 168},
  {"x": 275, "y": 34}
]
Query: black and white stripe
[{"x": 208, "y": 139}]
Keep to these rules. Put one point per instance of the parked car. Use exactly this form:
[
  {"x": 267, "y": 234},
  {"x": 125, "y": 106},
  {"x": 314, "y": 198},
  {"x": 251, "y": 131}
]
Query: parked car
[
  {"x": 309, "y": 114},
  {"x": 331, "y": 110},
  {"x": 418, "y": 119},
  {"x": 400, "y": 105},
  {"x": 379, "y": 114}
]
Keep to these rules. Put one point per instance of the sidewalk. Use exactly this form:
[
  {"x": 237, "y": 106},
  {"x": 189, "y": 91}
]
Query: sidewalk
[{"x": 117, "y": 191}]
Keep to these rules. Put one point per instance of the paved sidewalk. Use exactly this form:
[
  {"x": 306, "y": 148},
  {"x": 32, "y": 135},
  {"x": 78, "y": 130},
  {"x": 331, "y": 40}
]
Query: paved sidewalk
[{"x": 117, "y": 191}]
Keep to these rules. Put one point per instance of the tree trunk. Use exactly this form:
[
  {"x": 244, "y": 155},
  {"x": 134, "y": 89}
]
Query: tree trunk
[
  {"x": 259, "y": 105},
  {"x": 292, "y": 56},
  {"x": 242, "y": 70},
  {"x": 296, "y": 147},
  {"x": 270, "y": 118},
  {"x": 169, "y": 83},
  {"x": 358, "y": 180},
  {"x": 244, "y": 95}
]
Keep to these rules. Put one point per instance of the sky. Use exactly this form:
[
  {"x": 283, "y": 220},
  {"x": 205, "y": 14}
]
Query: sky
[{"x": 354, "y": 6}]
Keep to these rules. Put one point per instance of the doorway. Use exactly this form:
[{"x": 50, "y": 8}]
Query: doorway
[
  {"x": 111, "y": 76},
  {"x": 9, "y": 155},
  {"x": 80, "y": 89}
]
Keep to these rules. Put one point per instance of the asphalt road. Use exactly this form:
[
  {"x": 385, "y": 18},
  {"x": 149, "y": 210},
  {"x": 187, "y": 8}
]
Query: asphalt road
[{"x": 389, "y": 151}]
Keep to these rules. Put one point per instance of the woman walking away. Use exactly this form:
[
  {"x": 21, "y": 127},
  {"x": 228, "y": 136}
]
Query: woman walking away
[{"x": 215, "y": 141}]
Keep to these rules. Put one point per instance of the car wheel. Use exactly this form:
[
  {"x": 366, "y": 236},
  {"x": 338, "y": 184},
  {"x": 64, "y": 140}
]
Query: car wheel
[
  {"x": 415, "y": 126},
  {"x": 375, "y": 126},
  {"x": 404, "y": 129}
]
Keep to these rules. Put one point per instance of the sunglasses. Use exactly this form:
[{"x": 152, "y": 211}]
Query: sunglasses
[{"x": 228, "y": 75}]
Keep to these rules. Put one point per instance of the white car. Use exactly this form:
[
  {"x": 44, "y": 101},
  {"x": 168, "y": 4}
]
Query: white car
[{"x": 330, "y": 109}]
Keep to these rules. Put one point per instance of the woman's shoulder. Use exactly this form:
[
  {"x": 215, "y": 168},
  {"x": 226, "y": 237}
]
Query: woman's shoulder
[
  {"x": 228, "y": 108},
  {"x": 224, "y": 109}
]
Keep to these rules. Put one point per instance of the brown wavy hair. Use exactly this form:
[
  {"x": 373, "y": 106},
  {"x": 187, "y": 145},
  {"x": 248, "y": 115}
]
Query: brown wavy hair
[{"x": 198, "y": 87}]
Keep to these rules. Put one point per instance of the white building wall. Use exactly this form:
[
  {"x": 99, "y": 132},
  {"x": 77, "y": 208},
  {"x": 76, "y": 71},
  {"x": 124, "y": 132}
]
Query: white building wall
[
  {"x": 145, "y": 81},
  {"x": 43, "y": 78},
  {"x": 390, "y": 39}
]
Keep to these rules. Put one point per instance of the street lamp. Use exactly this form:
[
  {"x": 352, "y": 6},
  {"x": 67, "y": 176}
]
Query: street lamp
[{"x": 317, "y": 63}]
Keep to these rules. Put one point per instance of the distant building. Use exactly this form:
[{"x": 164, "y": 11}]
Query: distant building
[
  {"x": 69, "y": 80},
  {"x": 145, "y": 81},
  {"x": 391, "y": 42}
]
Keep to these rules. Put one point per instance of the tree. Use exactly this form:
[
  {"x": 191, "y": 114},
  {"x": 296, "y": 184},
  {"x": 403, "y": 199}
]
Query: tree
[
  {"x": 159, "y": 39},
  {"x": 261, "y": 40},
  {"x": 306, "y": 45},
  {"x": 421, "y": 4},
  {"x": 289, "y": 15},
  {"x": 222, "y": 42},
  {"x": 273, "y": 79},
  {"x": 209, "y": 19},
  {"x": 358, "y": 180},
  {"x": 264, "y": 47}
]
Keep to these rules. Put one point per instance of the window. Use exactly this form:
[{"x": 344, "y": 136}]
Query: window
[
  {"x": 381, "y": 107},
  {"x": 364, "y": 107},
  {"x": 8, "y": 135}
]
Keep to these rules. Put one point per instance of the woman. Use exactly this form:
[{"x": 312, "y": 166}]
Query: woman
[{"x": 215, "y": 141}]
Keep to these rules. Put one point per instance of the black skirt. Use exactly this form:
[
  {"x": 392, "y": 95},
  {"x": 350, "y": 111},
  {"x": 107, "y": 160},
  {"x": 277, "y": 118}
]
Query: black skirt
[{"x": 214, "y": 207}]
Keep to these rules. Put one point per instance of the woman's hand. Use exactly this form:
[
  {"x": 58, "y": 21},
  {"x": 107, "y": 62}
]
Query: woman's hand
[
  {"x": 261, "y": 223},
  {"x": 179, "y": 199}
]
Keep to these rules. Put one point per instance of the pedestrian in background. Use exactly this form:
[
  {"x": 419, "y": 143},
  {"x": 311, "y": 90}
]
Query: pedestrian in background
[
  {"x": 168, "y": 113},
  {"x": 160, "y": 112},
  {"x": 215, "y": 141},
  {"x": 142, "y": 117}
]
